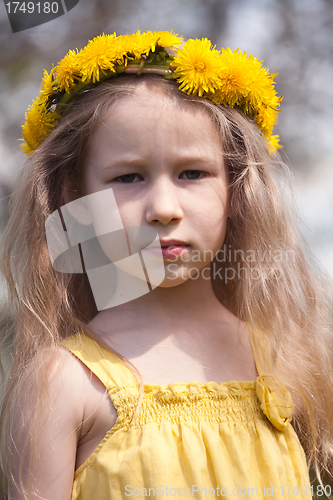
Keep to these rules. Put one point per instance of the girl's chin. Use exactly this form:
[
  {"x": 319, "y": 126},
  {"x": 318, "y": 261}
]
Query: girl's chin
[
  {"x": 175, "y": 278},
  {"x": 171, "y": 283}
]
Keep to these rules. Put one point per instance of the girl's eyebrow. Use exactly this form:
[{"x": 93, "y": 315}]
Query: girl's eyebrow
[
  {"x": 180, "y": 161},
  {"x": 135, "y": 162}
]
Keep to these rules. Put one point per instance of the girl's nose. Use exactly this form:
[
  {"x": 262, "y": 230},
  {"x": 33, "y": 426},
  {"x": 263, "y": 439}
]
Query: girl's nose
[{"x": 163, "y": 204}]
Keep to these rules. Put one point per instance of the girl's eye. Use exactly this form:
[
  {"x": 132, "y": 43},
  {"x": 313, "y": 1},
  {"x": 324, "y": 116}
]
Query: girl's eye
[
  {"x": 194, "y": 174},
  {"x": 128, "y": 178},
  {"x": 190, "y": 175}
]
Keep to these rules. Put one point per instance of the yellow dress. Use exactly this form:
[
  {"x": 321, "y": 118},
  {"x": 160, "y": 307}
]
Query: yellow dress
[{"x": 190, "y": 439}]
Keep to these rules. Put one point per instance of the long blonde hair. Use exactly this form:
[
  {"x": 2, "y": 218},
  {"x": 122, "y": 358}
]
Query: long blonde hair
[{"x": 281, "y": 296}]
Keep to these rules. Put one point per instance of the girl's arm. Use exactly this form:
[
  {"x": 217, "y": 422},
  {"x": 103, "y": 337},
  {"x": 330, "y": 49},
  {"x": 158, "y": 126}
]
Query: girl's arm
[{"x": 58, "y": 432}]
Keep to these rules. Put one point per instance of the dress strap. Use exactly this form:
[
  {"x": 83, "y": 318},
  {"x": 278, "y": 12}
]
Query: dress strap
[{"x": 102, "y": 362}]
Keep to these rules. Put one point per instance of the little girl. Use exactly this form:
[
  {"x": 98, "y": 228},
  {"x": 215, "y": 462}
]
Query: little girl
[{"x": 169, "y": 337}]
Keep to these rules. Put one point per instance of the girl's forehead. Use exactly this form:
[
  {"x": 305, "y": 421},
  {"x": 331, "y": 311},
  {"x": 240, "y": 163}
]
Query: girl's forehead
[
  {"x": 152, "y": 125},
  {"x": 153, "y": 110}
]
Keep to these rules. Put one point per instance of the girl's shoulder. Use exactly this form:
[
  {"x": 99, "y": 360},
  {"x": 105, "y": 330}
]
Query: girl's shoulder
[
  {"x": 61, "y": 421},
  {"x": 79, "y": 384},
  {"x": 96, "y": 356},
  {"x": 78, "y": 400},
  {"x": 97, "y": 415},
  {"x": 66, "y": 382},
  {"x": 72, "y": 392}
]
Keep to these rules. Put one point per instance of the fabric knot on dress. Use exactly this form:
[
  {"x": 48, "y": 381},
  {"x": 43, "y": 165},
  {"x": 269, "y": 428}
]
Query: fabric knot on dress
[{"x": 276, "y": 401}]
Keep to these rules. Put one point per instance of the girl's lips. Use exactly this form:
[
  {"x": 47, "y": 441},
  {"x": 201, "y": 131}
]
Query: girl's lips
[
  {"x": 173, "y": 251},
  {"x": 170, "y": 252}
]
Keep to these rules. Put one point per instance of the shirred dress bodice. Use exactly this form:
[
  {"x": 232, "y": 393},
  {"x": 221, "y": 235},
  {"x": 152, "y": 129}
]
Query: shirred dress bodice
[{"x": 190, "y": 439}]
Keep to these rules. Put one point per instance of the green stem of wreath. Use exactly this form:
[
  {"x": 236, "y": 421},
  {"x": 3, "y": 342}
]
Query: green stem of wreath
[{"x": 132, "y": 67}]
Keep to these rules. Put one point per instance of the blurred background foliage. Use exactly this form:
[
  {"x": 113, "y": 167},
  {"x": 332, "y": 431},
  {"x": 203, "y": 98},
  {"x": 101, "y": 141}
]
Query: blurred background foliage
[{"x": 292, "y": 37}]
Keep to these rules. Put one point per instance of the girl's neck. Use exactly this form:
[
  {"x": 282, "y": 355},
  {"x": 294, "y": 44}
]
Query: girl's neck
[
  {"x": 180, "y": 333},
  {"x": 172, "y": 307}
]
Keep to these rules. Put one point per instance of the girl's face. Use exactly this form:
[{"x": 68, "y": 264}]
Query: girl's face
[{"x": 165, "y": 166}]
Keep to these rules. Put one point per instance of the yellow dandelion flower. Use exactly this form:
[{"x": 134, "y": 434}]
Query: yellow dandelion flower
[
  {"x": 97, "y": 56},
  {"x": 147, "y": 41},
  {"x": 266, "y": 119},
  {"x": 234, "y": 78},
  {"x": 131, "y": 45},
  {"x": 119, "y": 50},
  {"x": 141, "y": 43},
  {"x": 273, "y": 143},
  {"x": 48, "y": 86},
  {"x": 26, "y": 148},
  {"x": 261, "y": 88},
  {"x": 261, "y": 92},
  {"x": 168, "y": 39},
  {"x": 39, "y": 122},
  {"x": 66, "y": 70},
  {"x": 30, "y": 142},
  {"x": 197, "y": 67}
]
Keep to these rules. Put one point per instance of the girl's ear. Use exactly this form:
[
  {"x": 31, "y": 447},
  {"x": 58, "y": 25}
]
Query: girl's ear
[{"x": 75, "y": 203}]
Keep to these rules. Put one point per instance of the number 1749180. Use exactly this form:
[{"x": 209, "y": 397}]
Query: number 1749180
[{"x": 32, "y": 7}]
